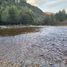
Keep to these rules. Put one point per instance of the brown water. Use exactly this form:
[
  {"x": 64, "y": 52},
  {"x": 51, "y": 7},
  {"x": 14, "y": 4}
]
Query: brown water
[{"x": 46, "y": 45}]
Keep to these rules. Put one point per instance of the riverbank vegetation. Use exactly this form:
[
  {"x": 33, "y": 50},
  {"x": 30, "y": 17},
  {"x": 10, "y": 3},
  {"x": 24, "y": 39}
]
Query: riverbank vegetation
[{"x": 15, "y": 12}]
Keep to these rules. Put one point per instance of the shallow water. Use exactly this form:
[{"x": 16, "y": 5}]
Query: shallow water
[{"x": 47, "y": 45}]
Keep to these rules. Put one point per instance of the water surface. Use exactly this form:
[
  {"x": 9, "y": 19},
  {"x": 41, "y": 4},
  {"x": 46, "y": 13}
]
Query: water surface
[{"x": 46, "y": 45}]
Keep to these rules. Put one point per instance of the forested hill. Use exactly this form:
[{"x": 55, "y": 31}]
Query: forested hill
[{"x": 19, "y": 12}]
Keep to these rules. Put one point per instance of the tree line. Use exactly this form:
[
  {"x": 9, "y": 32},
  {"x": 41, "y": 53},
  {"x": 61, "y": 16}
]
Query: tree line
[{"x": 55, "y": 19}]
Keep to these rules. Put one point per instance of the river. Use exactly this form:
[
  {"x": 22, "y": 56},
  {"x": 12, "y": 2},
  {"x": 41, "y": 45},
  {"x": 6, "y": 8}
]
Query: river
[{"x": 44, "y": 45}]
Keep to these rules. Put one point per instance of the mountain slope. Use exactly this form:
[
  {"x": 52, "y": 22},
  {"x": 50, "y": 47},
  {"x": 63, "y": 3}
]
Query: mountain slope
[{"x": 19, "y": 12}]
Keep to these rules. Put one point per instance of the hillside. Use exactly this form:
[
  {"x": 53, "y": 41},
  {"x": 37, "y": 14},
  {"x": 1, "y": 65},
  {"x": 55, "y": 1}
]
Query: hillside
[{"x": 19, "y": 12}]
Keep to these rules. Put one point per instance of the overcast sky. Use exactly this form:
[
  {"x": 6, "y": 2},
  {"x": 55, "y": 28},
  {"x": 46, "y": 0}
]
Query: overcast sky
[{"x": 49, "y": 5}]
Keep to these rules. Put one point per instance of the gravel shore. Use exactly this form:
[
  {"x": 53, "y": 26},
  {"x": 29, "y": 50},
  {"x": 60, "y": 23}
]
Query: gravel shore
[
  {"x": 46, "y": 47},
  {"x": 5, "y": 63}
]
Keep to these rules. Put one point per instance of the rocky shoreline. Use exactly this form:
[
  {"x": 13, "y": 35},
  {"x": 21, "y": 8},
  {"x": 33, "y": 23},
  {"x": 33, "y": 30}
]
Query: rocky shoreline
[{"x": 6, "y": 63}]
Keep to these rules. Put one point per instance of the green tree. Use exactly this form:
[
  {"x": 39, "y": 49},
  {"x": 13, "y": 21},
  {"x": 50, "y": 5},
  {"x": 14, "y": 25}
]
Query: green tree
[
  {"x": 61, "y": 15},
  {"x": 26, "y": 19},
  {"x": 0, "y": 16}
]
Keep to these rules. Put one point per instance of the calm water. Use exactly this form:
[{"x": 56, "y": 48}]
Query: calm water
[{"x": 45, "y": 45}]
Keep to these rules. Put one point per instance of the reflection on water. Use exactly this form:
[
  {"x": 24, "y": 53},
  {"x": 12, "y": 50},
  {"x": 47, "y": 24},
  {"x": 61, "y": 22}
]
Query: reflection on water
[{"x": 46, "y": 47}]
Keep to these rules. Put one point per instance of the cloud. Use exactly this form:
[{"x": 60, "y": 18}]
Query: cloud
[
  {"x": 55, "y": 3},
  {"x": 36, "y": 2},
  {"x": 49, "y": 5},
  {"x": 32, "y": 2}
]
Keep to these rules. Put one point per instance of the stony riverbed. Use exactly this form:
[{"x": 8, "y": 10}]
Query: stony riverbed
[{"x": 47, "y": 47}]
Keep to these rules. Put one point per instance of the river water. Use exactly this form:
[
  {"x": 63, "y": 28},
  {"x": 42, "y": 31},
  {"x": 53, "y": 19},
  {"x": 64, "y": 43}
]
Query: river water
[{"x": 46, "y": 46}]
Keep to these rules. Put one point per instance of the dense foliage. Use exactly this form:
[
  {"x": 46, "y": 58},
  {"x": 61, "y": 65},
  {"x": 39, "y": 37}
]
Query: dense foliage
[
  {"x": 61, "y": 15},
  {"x": 19, "y": 12},
  {"x": 55, "y": 19}
]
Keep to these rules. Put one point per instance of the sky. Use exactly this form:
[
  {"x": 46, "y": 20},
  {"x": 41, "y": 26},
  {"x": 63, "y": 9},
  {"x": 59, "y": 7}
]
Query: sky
[{"x": 49, "y": 5}]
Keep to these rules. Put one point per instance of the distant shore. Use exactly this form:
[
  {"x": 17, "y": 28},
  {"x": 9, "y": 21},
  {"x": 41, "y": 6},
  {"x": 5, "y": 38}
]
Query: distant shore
[
  {"x": 22, "y": 26},
  {"x": 19, "y": 26}
]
